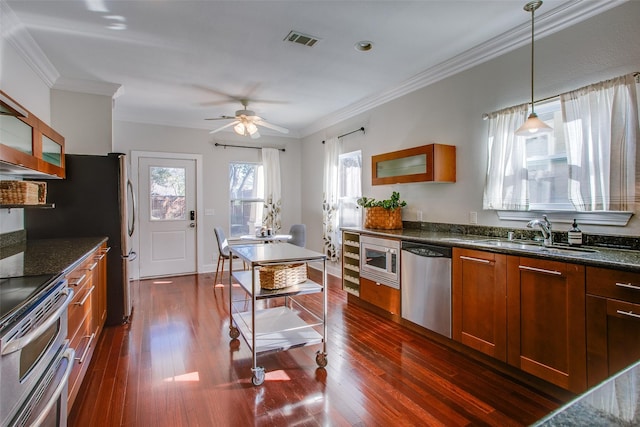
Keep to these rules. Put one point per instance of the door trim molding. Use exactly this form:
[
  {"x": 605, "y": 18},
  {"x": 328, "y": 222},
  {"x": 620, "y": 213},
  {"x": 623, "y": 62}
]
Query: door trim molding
[{"x": 135, "y": 158}]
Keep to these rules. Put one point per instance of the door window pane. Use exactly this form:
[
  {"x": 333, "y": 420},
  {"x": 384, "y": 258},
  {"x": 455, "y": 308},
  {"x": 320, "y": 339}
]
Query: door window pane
[{"x": 167, "y": 193}]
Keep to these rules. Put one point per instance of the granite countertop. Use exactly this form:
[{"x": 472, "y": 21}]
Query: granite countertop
[
  {"x": 614, "y": 402},
  {"x": 619, "y": 259},
  {"x": 46, "y": 256}
]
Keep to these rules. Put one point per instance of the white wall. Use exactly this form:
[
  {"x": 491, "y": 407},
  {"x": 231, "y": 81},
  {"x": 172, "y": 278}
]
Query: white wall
[
  {"x": 85, "y": 121},
  {"x": 142, "y": 137},
  {"x": 450, "y": 112}
]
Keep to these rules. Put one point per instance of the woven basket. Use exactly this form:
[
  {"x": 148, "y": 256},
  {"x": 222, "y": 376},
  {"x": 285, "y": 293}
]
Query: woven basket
[
  {"x": 23, "y": 192},
  {"x": 383, "y": 219},
  {"x": 282, "y": 276}
]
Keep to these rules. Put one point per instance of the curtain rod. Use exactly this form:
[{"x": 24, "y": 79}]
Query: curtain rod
[
  {"x": 349, "y": 133},
  {"x": 217, "y": 144},
  {"x": 485, "y": 116}
]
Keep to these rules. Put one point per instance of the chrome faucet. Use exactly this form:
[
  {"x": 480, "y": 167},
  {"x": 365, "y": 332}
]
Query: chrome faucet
[{"x": 545, "y": 227}]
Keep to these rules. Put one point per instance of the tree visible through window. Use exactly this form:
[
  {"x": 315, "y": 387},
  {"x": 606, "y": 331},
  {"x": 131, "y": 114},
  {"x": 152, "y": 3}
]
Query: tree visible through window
[
  {"x": 168, "y": 195},
  {"x": 246, "y": 194},
  {"x": 350, "y": 188}
]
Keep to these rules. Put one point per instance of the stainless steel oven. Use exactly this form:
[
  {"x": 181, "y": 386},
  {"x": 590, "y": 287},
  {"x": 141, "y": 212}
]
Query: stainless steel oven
[
  {"x": 32, "y": 345},
  {"x": 380, "y": 260}
]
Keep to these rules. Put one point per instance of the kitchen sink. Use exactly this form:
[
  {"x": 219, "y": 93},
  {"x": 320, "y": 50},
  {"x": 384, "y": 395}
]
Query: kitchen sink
[{"x": 536, "y": 247}]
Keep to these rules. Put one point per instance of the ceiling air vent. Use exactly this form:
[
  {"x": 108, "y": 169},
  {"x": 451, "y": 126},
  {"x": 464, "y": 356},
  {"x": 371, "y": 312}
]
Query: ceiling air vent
[{"x": 301, "y": 38}]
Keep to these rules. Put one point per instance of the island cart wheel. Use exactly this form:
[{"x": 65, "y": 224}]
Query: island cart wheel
[
  {"x": 258, "y": 376},
  {"x": 234, "y": 332},
  {"x": 321, "y": 359}
]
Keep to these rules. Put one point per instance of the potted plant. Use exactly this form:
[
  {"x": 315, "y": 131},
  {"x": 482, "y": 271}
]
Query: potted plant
[{"x": 383, "y": 214}]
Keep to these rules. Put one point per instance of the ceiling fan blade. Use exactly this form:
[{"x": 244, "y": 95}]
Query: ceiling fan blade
[
  {"x": 271, "y": 126},
  {"x": 255, "y": 135},
  {"x": 221, "y": 118},
  {"x": 233, "y": 123}
]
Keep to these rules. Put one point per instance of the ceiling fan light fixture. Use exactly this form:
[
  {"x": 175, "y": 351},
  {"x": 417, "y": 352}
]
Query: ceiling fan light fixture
[
  {"x": 533, "y": 125},
  {"x": 239, "y": 129}
]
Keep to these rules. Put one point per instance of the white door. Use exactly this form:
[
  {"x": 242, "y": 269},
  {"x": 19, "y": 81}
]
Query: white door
[{"x": 167, "y": 189}]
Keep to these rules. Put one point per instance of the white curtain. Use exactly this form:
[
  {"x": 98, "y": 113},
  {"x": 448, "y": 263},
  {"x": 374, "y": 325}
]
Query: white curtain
[
  {"x": 506, "y": 185},
  {"x": 601, "y": 128},
  {"x": 271, "y": 217},
  {"x": 330, "y": 202}
]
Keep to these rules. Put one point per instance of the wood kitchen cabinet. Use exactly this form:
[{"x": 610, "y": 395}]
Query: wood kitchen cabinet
[
  {"x": 431, "y": 163},
  {"x": 29, "y": 146},
  {"x": 613, "y": 322},
  {"x": 85, "y": 313},
  {"x": 479, "y": 286},
  {"x": 382, "y": 296},
  {"x": 546, "y": 320}
]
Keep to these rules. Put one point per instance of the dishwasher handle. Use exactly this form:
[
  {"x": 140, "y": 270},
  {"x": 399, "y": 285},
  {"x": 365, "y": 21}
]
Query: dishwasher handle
[{"x": 427, "y": 251}]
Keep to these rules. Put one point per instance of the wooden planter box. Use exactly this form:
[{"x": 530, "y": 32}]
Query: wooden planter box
[{"x": 383, "y": 219}]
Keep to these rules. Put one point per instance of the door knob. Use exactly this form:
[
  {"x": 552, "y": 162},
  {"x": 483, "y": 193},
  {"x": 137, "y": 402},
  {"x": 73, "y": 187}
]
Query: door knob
[{"x": 192, "y": 225}]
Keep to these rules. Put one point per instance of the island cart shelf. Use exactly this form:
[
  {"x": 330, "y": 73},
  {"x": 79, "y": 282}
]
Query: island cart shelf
[{"x": 277, "y": 319}]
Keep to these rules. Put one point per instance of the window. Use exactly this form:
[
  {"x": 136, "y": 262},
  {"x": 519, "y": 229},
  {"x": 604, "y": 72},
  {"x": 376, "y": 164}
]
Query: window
[
  {"x": 349, "y": 188},
  {"x": 546, "y": 162},
  {"x": 167, "y": 193},
  {"x": 586, "y": 167},
  {"x": 246, "y": 194}
]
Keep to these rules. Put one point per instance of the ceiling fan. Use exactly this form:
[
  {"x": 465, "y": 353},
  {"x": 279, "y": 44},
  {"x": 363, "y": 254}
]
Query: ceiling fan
[{"x": 246, "y": 123}]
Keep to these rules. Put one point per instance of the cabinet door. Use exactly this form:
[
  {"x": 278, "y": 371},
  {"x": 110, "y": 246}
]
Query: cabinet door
[
  {"x": 380, "y": 295},
  {"x": 479, "y": 301},
  {"x": 100, "y": 295},
  {"x": 546, "y": 320},
  {"x": 613, "y": 337}
]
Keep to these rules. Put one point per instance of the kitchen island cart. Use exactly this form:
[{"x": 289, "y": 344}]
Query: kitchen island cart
[{"x": 277, "y": 319}]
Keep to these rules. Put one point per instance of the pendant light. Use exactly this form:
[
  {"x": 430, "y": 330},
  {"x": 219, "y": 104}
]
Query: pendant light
[{"x": 533, "y": 125}]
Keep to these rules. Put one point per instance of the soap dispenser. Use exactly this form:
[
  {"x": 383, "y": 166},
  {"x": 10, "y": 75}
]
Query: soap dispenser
[{"x": 575, "y": 235}]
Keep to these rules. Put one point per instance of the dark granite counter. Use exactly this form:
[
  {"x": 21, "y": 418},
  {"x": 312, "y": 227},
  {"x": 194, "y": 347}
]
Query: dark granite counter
[
  {"x": 46, "y": 256},
  {"x": 619, "y": 259},
  {"x": 614, "y": 402}
]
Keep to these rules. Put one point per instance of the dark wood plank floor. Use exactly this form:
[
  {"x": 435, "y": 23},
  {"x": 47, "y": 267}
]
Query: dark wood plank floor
[{"x": 174, "y": 366}]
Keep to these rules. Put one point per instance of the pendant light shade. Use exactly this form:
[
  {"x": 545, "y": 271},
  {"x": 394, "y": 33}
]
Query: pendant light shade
[{"x": 533, "y": 125}]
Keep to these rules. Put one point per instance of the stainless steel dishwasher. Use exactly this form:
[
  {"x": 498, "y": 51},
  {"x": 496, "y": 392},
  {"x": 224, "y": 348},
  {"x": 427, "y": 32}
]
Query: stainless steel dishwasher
[{"x": 425, "y": 284}]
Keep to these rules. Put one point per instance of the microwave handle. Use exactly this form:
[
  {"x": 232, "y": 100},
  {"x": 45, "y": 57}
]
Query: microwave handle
[{"x": 20, "y": 343}]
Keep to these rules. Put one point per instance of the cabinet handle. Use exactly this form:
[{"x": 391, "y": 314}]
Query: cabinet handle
[
  {"x": 92, "y": 266},
  {"x": 87, "y": 348},
  {"x": 480, "y": 260},
  {"x": 86, "y": 297},
  {"x": 628, "y": 313},
  {"x": 79, "y": 280},
  {"x": 540, "y": 270},
  {"x": 628, "y": 286}
]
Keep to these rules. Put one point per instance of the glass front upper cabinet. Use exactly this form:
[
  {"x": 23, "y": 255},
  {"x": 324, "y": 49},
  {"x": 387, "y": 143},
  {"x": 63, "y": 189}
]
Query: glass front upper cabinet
[{"x": 428, "y": 163}]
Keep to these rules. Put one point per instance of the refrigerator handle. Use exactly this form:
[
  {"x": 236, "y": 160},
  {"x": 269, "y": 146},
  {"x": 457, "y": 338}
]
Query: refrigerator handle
[{"x": 132, "y": 226}]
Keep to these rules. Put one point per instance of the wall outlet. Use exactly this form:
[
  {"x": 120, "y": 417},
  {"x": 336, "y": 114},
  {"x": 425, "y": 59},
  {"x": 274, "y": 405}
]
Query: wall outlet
[
  {"x": 419, "y": 216},
  {"x": 473, "y": 217}
]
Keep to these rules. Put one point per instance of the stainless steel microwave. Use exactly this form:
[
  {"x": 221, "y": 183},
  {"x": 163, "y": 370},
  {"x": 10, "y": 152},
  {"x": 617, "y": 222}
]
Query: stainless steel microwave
[{"x": 380, "y": 260}]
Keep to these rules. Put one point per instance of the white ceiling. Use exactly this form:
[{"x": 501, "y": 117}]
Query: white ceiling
[{"x": 174, "y": 62}]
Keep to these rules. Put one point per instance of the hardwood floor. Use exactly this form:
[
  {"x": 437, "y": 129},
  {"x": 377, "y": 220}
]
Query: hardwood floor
[{"x": 173, "y": 365}]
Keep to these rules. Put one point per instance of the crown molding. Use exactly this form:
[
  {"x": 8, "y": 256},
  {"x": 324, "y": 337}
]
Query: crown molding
[
  {"x": 15, "y": 33},
  {"x": 557, "y": 19},
  {"x": 94, "y": 87}
]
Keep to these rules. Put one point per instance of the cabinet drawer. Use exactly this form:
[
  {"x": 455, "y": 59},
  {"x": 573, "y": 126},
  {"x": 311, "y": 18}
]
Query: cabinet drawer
[
  {"x": 83, "y": 343},
  {"x": 80, "y": 308},
  {"x": 380, "y": 295},
  {"x": 622, "y": 285}
]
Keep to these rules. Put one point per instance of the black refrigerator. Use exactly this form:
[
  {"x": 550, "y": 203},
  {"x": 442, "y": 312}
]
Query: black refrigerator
[{"x": 95, "y": 199}]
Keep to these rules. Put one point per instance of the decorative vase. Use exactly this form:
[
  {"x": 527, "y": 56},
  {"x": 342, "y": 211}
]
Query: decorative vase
[{"x": 382, "y": 218}]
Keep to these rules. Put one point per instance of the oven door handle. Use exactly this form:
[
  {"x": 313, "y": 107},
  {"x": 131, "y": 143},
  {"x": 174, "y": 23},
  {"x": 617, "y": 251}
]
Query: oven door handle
[
  {"x": 68, "y": 354},
  {"x": 20, "y": 343}
]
